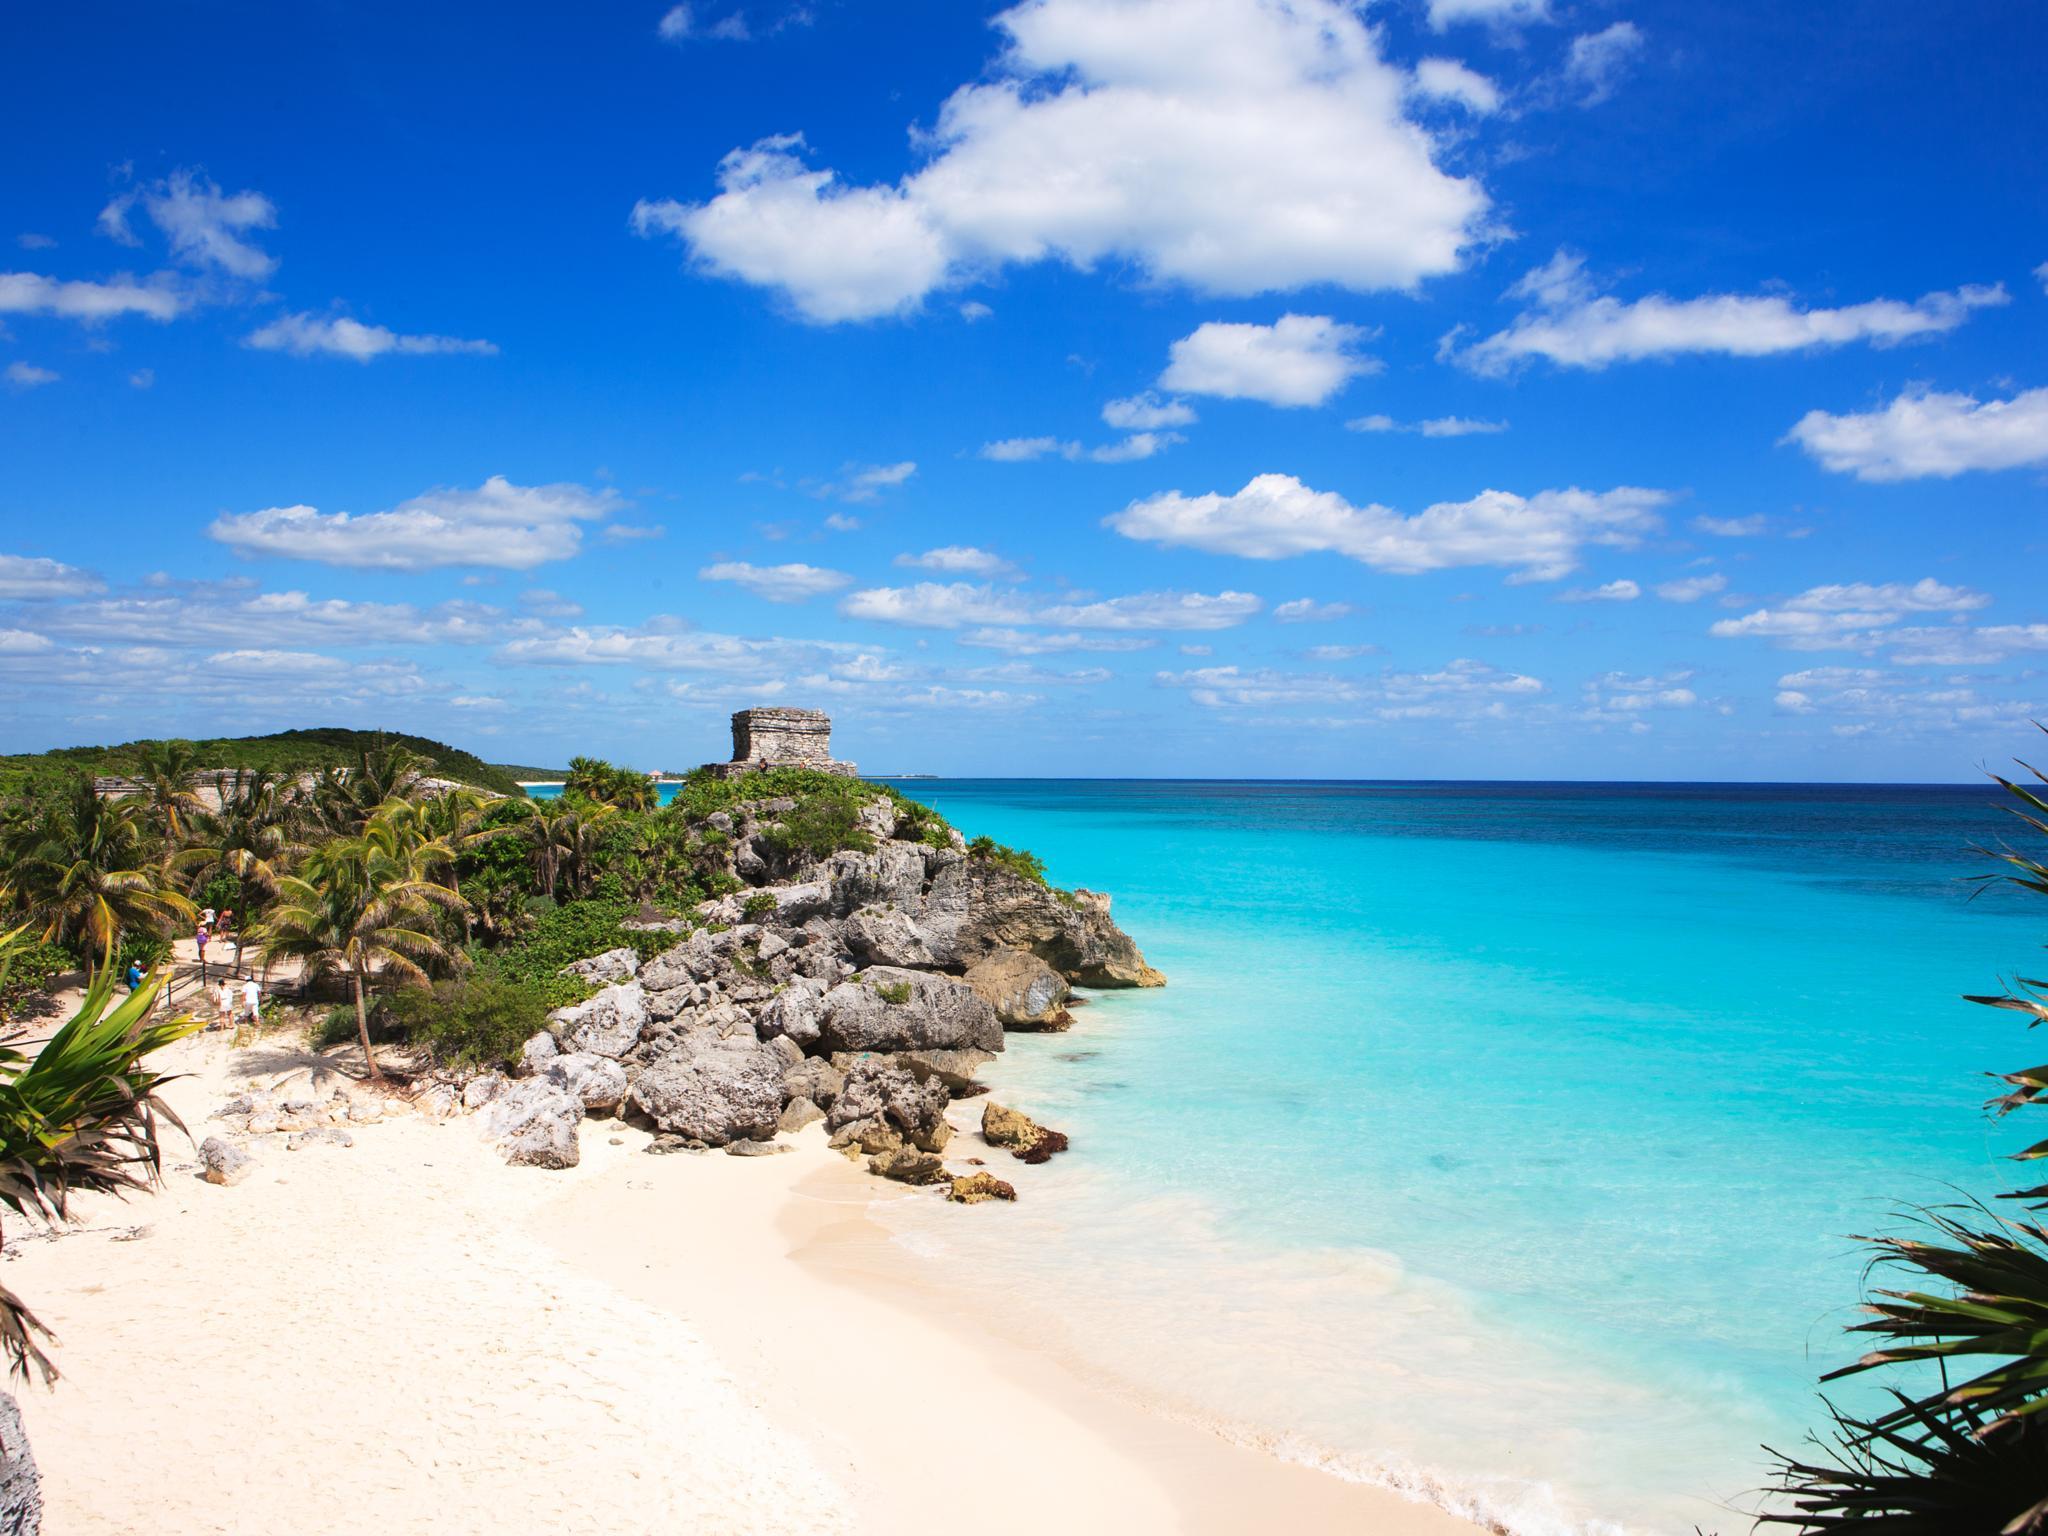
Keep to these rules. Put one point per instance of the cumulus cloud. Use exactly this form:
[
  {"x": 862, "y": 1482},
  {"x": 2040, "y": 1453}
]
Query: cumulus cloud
[
  {"x": 1573, "y": 325},
  {"x": 864, "y": 483},
  {"x": 1622, "y": 591},
  {"x": 32, "y": 576},
  {"x": 1298, "y": 360},
  {"x": 1855, "y": 701},
  {"x": 1690, "y": 589},
  {"x": 666, "y": 646},
  {"x": 498, "y": 524},
  {"x": 953, "y": 605},
  {"x": 957, "y": 559},
  {"x": 1596, "y": 61},
  {"x": 1464, "y": 689},
  {"x": 1448, "y": 80},
  {"x": 1849, "y": 616},
  {"x": 1622, "y": 697},
  {"x": 1306, "y": 610},
  {"x": 206, "y": 227},
  {"x": 1233, "y": 146},
  {"x": 1435, "y": 426},
  {"x": 1276, "y": 516},
  {"x": 26, "y": 293},
  {"x": 1147, "y": 413},
  {"x": 778, "y": 583},
  {"x": 1732, "y": 527},
  {"x": 28, "y": 375},
  {"x": 1024, "y": 450},
  {"x": 305, "y": 335},
  {"x": 1924, "y": 434},
  {"x": 23, "y": 642},
  {"x": 1499, "y": 13},
  {"x": 1024, "y": 642}
]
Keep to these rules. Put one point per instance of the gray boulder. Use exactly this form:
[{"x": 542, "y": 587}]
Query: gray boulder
[
  {"x": 799, "y": 1113},
  {"x": 814, "y": 1079},
  {"x": 954, "y": 1069},
  {"x": 537, "y": 1052},
  {"x": 608, "y": 1024},
  {"x": 713, "y": 1089},
  {"x": 882, "y": 1105},
  {"x": 620, "y": 964},
  {"x": 796, "y": 1013},
  {"x": 21, "y": 1492},
  {"x": 1025, "y": 992},
  {"x": 536, "y": 1125},
  {"x": 483, "y": 1088},
  {"x": 753, "y": 1148},
  {"x": 596, "y": 1082},
  {"x": 224, "y": 1162},
  {"x": 887, "y": 1008}
]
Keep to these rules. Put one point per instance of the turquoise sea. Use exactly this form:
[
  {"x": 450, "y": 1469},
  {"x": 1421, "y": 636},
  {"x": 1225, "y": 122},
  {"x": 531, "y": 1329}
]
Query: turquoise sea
[{"x": 1499, "y": 1142}]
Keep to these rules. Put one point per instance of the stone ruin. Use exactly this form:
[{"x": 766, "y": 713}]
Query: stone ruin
[{"x": 781, "y": 738}]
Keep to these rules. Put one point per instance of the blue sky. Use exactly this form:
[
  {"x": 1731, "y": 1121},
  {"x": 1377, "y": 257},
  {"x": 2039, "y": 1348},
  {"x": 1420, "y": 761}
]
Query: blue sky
[{"x": 1461, "y": 388}]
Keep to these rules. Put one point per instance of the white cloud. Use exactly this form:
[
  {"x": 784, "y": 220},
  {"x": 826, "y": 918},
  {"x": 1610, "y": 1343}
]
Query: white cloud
[
  {"x": 1139, "y": 445},
  {"x": 28, "y": 375},
  {"x": 1147, "y": 413},
  {"x": 33, "y": 242},
  {"x": 1340, "y": 652},
  {"x": 1306, "y": 610},
  {"x": 206, "y": 227},
  {"x": 629, "y": 533},
  {"x": 1448, "y": 80},
  {"x": 1849, "y": 616},
  {"x": 498, "y": 524},
  {"x": 1435, "y": 426},
  {"x": 1622, "y": 591},
  {"x": 1234, "y": 146},
  {"x": 23, "y": 642},
  {"x": 1461, "y": 690},
  {"x": 974, "y": 310},
  {"x": 1731, "y": 527},
  {"x": 1620, "y": 696},
  {"x": 143, "y": 378},
  {"x": 864, "y": 483},
  {"x": 1690, "y": 589},
  {"x": 958, "y": 559},
  {"x": 1443, "y": 13},
  {"x": 2041, "y": 275},
  {"x": 674, "y": 25},
  {"x": 778, "y": 583},
  {"x": 1276, "y": 516},
  {"x": 1922, "y": 434},
  {"x": 32, "y": 576},
  {"x": 1299, "y": 360},
  {"x": 549, "y": 604},
  {"x": 304, "y": 335},
  {"x": 1596, "y": 61},
  {"x": 952, "y": 605},
  {"x": 842, "y": 522},
  {"x": 1024, "y": 642},
  {"x": 664, "y": 646},
  {"x": 1861, "y": 700},
  {"x": 26, "y": 293},
  {"x": 1022, "y": 450},
  {"x": 1575, "y": 327}
]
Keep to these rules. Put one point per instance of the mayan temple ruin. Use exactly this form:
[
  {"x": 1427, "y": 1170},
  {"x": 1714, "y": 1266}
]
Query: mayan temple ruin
[{"x": 781, "y": 738}]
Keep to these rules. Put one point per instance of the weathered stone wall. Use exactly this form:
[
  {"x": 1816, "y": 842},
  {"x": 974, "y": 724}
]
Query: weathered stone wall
[{"x": 782, "y": 738}]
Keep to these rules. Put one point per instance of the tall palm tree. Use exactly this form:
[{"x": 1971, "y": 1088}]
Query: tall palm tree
[
  {"x": 80, "y": 867},
  {"x": 249, "y": 837},
  {"x": 562, "y": 838},
  {"x": 81, "y": 1115},
  {"x": 344, "y": 799},
  {"x": 166, "y": 769},
  {"x": 362, "y": 907}
]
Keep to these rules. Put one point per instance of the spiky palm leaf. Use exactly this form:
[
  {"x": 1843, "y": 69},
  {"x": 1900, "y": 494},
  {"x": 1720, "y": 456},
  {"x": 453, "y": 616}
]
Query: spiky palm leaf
[
  {"x": 82, "y": 1115},
  {"x": 81, "y": 868}
]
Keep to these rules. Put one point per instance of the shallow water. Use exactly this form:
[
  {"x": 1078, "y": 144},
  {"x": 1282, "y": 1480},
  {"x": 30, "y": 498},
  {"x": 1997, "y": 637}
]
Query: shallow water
[{"x": 1498, "y": 1141}]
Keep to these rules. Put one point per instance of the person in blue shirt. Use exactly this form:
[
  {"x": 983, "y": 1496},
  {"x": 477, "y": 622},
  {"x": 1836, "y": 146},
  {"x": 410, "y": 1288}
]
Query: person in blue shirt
[{"x": 134, "y": 975}]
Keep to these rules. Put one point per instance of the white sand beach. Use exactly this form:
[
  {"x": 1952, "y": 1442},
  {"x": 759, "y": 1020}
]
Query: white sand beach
[{"x": 408, "y": 1335}]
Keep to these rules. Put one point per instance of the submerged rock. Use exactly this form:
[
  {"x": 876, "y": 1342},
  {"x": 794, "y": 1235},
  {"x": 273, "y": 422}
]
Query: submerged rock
[
  {"x": 907, "y": 1166},
  {"x": 1028, "y": 1141},
  {"x": 974, "y": 1188}
]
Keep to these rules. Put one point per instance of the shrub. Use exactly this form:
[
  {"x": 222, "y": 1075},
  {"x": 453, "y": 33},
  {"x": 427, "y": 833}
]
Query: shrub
[
  {"x": 30, "y": 970},
  {"x": 560, "y": 935},
  {"x": 478, "y": 1021},
  {"x": 759, "y": 905},
  {"x": 144, "y": 949},
  {"x": 817, "y": 828},
  {"x": 1027, "y": 866},
  {"x": 897, "y": 992}
]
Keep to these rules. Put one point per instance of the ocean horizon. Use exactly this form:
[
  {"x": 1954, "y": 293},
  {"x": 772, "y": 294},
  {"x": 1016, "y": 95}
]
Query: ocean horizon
[{"x": 1497, "y": 1141}]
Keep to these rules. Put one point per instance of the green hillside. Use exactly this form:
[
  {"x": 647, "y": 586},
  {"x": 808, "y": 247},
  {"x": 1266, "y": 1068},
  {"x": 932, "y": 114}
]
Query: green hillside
[{"x": 283, "y": 752}]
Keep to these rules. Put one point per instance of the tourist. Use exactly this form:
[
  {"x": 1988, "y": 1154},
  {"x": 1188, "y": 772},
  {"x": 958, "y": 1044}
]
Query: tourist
[
  {"x": 134, "y": 977},
  {"x": 206, "y": 918},
  {"x": 200, "y": 940},
  {"x": 252, "y": 999},
  {"x": 223, "y": 1005}
]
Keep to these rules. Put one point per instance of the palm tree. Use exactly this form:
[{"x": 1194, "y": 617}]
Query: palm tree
[
  {"x": 82, "y": 1115},
  {"x": 563, "y": 838},
  {"x": 249, "y": 837},
  {"x": 79, "y": 867},
  {"x": 360, "y": 907},
  {"x": 166, "y": 770},
  {"x": 344, "y": 799}
]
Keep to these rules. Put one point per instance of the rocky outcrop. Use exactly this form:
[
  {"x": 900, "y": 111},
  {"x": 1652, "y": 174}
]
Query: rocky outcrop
[
  {"x": 882, "y": 1106},
  {"x": 608, "y": 1024},
  {"x": 974, "y": 1188},
  {"x": 907, "y": 1166},
  {"x": 1028, "y": 1141},
  {"x": 713, "y": 1089},
  {"x": 1024, "y": 991},
  {"x": 598, "y": 1083},
  {"x": 613, "y": 965},
  {"x": 889, "y": 1008}
]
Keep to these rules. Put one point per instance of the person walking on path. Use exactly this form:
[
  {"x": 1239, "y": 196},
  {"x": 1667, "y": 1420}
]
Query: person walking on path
[
  {"x": 200, "y": 939},
  {"x": 252, "y": 999},
  {"x": 224, "y": 1005}
]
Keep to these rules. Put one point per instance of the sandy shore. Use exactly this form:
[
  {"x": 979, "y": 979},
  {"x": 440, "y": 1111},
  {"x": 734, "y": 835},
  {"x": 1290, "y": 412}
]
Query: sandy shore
[{"x": 406, "y": 1335}]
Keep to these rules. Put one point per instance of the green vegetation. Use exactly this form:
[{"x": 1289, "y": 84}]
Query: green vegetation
[
  {"x": 283, "y": 753},
  {"x": 894, "y": 992},
  {"x": 1028, "y": 866},
  {"x": 1964, "y": 1449},
  {"x": 473, "y": 1022},
  {"x": 594, "y": 779},
  {"x": 759, "y": 905},
  {"x": 562, "y": 935},
  {"x": 82, "y": 1116}
]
